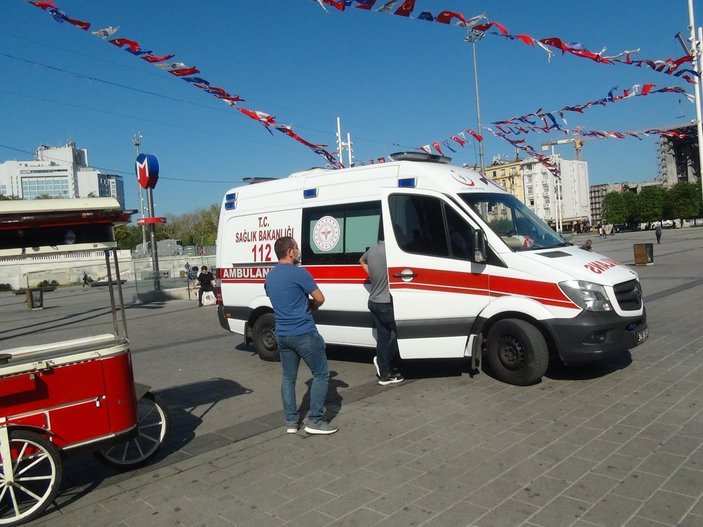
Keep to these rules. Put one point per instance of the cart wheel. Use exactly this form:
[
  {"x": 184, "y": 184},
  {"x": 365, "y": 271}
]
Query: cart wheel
[
  {"x": 152, "y": 429},
  {"x": 36, "y": 478}
]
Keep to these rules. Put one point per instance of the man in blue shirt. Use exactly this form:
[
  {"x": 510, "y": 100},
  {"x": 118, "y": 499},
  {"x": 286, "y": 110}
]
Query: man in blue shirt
[{"x": 288, "y": 286}]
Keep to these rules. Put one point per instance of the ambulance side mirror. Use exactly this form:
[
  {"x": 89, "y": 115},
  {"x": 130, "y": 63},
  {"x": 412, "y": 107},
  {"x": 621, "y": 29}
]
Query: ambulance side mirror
[{"x": 480, "y": 250}]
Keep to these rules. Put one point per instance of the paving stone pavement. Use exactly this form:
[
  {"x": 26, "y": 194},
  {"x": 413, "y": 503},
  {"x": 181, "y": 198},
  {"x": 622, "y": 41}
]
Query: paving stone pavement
[{"x": 616, "y": 443}]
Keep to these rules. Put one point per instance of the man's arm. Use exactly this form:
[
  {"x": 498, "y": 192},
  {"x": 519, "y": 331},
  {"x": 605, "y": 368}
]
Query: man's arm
[
  {"x": 364, "y": 265},
  {"x": 317, "y": 299}
]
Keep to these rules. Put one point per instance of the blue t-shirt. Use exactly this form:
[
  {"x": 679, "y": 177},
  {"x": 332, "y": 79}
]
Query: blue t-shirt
[{"x": 288, "y": 287}]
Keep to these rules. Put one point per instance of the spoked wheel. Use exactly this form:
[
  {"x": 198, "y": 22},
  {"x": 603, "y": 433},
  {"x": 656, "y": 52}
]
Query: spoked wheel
[
  {"x": 152, "y": 430},
  {"x": 264, "y": 336},
  {"x": 517, "y": 352},
  {"x": 31, "y": 482}
]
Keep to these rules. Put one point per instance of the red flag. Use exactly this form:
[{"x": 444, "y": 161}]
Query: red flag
[
  {"x": 647, "y": 88},
  {"x": 476, "y": 136},
  {"x": 156, "y": 58},
  {"x": 264, "y": 118},
  {"x": 121, "y": 42},
  {"x": 184, "y": 71},
  {"x": 406, "y": 8},
  {"x": 78, "y": 23},
  {"x": 48, "y": 4},
  {"x": 445, "y": 17},
  {"x": 437, "y": 147},
  {"x": 458, "y": 140}
]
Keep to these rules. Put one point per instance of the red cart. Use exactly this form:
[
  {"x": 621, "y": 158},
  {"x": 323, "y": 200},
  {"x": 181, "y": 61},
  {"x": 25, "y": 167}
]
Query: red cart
[{"x": 70, "y": 394}]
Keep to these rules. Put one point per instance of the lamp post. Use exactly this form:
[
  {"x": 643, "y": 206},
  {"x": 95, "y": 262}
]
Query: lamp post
[
  {"x": 137, "y": 142},
  {"x": 474, "y": 36},
  {"x": 695, "y": 39}
]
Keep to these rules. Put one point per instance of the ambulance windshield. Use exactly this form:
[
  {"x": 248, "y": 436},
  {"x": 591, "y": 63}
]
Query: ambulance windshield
[{"x": 513, "y": 222}]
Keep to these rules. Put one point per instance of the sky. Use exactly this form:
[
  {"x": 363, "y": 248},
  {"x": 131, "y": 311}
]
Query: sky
[{"x": 396, "y": 83}]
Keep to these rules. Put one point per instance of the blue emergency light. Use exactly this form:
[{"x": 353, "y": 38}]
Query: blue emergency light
[
  {"x": 231, "y": 201},
  {"x": 409, "y": 182}
]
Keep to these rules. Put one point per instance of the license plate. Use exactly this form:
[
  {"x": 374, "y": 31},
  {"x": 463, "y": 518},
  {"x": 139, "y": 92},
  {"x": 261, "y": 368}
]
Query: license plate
[{"x": 642, "y": 336}]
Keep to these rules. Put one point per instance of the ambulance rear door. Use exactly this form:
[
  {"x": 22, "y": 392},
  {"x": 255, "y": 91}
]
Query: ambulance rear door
[{"x": 437, "y": 290}]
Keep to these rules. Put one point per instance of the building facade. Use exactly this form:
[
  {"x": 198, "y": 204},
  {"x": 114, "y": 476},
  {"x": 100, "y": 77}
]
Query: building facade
[
  {"x": 564, "y": 199},
  {"x": 678, "y": 157},
  {"x": 58, "y": 172}
]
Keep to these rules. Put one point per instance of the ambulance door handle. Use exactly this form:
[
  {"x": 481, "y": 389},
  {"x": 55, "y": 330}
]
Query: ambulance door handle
[{"x": 406, "y": 275}]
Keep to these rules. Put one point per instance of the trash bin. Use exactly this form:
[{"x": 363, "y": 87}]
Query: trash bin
[
  {"x": 35, "y": 298},
  {"x": 644, "y": 253}
]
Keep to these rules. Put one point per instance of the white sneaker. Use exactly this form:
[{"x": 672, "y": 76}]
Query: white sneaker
[{"x": 375, "y": 363}]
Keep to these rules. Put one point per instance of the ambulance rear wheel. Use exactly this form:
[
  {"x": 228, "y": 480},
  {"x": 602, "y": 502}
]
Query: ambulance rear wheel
[
  {"x": 264, "y": 337},
  {"x": 517, "y": 352}
]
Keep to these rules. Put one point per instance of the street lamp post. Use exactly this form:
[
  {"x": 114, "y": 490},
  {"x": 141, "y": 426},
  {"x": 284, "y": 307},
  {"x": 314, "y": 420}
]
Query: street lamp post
[
  {"x": 474, "y": 36},
  {"x": 695, "y": 40},
  {"x": 137, "y": 142}
]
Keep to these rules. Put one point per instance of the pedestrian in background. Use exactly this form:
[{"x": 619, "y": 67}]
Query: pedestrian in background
[
  {"x": 206, "y": 279},
  {"x": 86, "y": 279},
  {"x": 290, "y": 287},
  {"x": 193, "y": 277},
  {"x": 380, "y": 304},
  {"x": 658, "y": 232}
]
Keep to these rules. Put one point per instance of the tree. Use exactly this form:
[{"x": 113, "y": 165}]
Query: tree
[
  {"x": 683, "y": 201},
  {"x": 613, "y": 208},
  {"x": 632, "y": 209},
  {"x": 650, "y": 203},
  {"x": 128, "y": 236}
]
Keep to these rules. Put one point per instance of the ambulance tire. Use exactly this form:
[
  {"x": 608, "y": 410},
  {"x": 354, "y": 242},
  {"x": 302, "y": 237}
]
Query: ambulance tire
[
  {"x": 264, "y": 337},
  {"x": 517, "y": 352}
]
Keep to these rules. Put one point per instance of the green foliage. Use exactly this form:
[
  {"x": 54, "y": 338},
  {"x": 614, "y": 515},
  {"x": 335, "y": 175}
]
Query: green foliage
[
  {"x": 7, "y": 198},
  {"x": 191, "y": 228},
  {"x": 128, "y": 236},
  {"x": 683, "y": 200},
  {"x": 502, "y": 227},
  {"x": 5, "y": 287},
  {"x": 632, "y": 214},
  {"x": 650, "y": 203},
  {"x": 46, "y": 283},
  {"x": 614, "y": 208}
]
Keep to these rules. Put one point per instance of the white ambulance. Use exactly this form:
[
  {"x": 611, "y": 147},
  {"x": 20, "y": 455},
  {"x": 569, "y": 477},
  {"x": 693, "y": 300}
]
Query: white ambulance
[{"x": 471, "y": 269}]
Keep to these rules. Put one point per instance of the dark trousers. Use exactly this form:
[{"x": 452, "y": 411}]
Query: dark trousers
[
  {"x": 201, "y": 291},
  {"x": 386, "y": 337}
]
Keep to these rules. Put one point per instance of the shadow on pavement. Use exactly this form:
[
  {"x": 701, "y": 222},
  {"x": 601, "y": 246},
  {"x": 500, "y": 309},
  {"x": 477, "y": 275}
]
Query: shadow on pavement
[
  {"x": 559, "y": 372},
  {"x": 189, "y": 403}
]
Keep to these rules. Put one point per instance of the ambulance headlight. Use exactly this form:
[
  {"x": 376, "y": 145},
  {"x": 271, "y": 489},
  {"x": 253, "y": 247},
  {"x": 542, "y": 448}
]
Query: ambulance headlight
[{"x": 587, "y": 295}]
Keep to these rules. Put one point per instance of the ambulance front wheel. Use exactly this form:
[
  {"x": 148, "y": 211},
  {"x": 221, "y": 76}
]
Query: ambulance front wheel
[
  {"x": 517, "y": 352},
  {"x": 264, "y": 337}
]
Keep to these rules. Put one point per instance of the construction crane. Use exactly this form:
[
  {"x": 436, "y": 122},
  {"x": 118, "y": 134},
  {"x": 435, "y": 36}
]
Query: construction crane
[{"x": 577, "y": 142}]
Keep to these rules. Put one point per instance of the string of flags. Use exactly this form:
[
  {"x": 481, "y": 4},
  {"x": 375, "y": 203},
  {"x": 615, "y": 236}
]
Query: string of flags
[
  {"x": 480, "y": 25},
  {"x": 188, "y": 74},
  {"x": 531, "y": 121},
  {"x": 553, "y": 167},
  {"x": 538, "y": 121}
]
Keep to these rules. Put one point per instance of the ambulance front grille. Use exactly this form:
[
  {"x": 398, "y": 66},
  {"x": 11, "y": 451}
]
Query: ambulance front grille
[{"x": 628, "y": 295}]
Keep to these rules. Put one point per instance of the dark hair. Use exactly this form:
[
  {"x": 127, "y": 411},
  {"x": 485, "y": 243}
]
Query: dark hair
[
  {"x": 203, "y": 268},
  {"x": 282, "y": 245}
]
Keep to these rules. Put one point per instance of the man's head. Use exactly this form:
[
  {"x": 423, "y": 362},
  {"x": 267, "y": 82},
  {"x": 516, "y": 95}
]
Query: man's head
[
  {"x": 287, "y": 250},
  {"x": 204, "y": 268}
]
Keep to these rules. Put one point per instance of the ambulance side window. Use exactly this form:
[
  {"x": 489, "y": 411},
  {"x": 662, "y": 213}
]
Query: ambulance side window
[
  {"x": 339, "y": 234},
  {"x": 427, "y": 225},
  {"x": 418, "y": 224}
]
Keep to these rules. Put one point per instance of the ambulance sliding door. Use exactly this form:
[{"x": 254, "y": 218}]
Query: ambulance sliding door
[{"x": 437, "y": 290}]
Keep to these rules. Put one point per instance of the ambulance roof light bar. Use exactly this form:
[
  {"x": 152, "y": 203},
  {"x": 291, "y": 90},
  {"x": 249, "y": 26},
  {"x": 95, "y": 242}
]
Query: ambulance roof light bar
[{"x": 419, "y": 156}]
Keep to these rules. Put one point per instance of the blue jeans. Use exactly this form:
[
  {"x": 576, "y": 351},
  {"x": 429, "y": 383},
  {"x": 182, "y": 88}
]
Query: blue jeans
[
  {"x": 311, "y": 348},
  {"x": 386, "y": 337}
]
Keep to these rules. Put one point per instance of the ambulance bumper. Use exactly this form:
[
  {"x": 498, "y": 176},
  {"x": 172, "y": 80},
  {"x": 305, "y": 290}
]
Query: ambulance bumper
[{"x": 592, "y": 336}]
